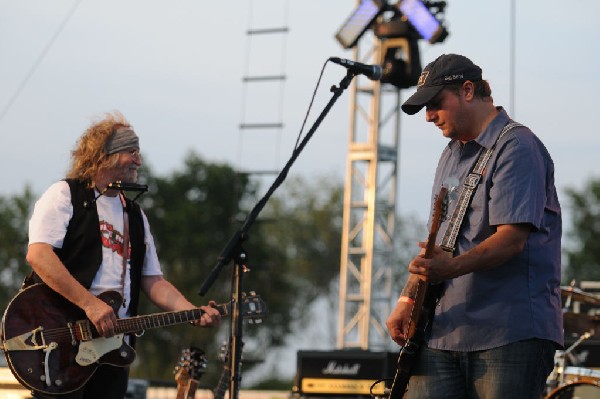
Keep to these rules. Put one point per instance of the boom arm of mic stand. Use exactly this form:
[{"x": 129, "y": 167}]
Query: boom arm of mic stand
[
  {"x": 234, "y": 244},
  {"x": 233, "y": 249}
]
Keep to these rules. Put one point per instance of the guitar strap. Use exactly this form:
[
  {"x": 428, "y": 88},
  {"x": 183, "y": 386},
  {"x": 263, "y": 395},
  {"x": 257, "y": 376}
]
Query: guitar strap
[
  {"x": 125, "y": 244},
  {"x": 469, "y": 186}
]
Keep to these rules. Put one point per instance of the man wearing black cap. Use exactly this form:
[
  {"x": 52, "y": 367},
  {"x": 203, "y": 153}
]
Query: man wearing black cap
[
  {"x": 86, "y": 237},
  {"x": 498, "y": 321}
]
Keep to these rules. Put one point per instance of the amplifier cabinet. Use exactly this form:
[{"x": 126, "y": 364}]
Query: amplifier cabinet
[{"x": 343, "y": 372}]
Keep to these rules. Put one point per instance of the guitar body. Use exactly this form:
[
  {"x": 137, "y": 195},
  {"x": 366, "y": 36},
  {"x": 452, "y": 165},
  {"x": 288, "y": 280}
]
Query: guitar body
[
  {"x": 52, "y": 347},
  {"x": 48, "y": 360},
  {"x": 426, "y": 299},
  {"x": 410, "y": 351}
]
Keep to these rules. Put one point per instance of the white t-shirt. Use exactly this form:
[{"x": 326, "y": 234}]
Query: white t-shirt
[{"x": 49, "y": 222}]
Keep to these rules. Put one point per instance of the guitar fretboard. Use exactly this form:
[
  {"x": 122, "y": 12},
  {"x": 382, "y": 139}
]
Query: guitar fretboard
[{"x": 156, "y": 320}]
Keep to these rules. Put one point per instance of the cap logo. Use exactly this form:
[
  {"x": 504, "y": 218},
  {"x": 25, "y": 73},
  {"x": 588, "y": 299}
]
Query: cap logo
[
  {"x": 423, "y": 78},
  {"x": 454, "y": 77}
]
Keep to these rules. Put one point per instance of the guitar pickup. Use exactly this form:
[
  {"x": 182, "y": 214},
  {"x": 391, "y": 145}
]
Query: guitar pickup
[{"x": 85, "y": 330}]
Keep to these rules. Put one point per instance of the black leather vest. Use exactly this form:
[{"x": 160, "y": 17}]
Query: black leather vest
[{"x": 81, "y": 252}]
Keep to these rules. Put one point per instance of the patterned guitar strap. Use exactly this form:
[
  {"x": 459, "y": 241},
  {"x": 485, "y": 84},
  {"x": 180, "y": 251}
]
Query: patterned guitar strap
[{"x": 469, "y": 186}]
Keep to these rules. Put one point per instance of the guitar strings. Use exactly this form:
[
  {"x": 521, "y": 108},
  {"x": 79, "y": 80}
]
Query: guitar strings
[{"x": 133, "y": 324}]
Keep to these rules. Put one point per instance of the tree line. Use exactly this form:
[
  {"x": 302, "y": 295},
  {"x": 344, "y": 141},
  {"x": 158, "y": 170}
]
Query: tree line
[{"x": 293, "y": 251}]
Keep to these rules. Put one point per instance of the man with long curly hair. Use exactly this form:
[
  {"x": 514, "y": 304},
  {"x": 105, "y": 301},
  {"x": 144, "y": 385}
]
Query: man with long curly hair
[{"x": 86, "y": 238}]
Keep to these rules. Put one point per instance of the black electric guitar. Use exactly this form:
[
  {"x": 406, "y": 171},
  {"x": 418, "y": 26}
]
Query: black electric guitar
[
  {"x": 51, "y": 347},
  {"x": 188, "y": 371},
  {"x": 423, "y": 309}
]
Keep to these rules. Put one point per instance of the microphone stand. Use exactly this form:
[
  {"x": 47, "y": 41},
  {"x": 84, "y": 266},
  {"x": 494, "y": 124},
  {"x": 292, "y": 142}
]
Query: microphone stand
[{"x": 234, "y": 250}]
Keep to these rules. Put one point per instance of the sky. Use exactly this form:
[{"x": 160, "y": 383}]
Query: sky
[{"x": 175, "y": 68}]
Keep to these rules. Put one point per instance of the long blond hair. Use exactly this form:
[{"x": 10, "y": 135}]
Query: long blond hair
[{"x": 89, "y": 155}]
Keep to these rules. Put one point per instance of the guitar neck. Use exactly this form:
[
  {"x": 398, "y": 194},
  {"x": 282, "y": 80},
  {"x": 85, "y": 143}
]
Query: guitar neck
[
  {"x": 156, "y": 320},
  {"x": 187, "y": 390},
  {"x": 223, "y": 385}
]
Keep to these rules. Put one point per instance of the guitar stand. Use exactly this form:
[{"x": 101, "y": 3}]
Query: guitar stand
[{"x": 234, "y": 251}]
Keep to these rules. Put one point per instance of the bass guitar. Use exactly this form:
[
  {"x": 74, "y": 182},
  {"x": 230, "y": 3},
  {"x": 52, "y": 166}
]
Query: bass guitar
[
  {"x": 423, "y": 309},
  {"x": 51, "y": 347}
]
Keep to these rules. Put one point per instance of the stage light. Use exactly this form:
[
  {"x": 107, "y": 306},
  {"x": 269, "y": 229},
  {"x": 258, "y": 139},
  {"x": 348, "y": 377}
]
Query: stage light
[
  {"x": 358, "y": 22},
  {"x": 402, "y": 63},
  {"x": 400, "y": 26},
  {"x": 423, "y": 20}
]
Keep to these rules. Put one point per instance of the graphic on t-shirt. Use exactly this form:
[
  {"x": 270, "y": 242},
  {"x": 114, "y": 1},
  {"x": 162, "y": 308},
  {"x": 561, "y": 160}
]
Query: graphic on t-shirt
[{"x": 111, "y": 237}]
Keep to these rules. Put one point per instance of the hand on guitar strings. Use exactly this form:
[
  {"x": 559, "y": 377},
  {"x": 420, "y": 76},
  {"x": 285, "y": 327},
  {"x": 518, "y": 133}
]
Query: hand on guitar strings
[
  {"x": 102, "y": 316},
  {"x": 398, "y": 322}
]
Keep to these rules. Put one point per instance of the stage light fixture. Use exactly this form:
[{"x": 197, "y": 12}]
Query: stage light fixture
[
  {"x": 421, "y": 18},
  {"x": 402, "y": 63},
  {"x": 400, "y": 26},
  {"x": 358, "y": 22}
]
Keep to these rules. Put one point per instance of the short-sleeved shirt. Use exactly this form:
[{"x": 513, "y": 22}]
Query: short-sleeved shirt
[
  {"x": 519, "y": 299},
  {"x": 49, "y": 222}
]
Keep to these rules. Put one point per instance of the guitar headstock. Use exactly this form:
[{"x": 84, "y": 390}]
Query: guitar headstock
[
  {"x": 440, "y": 208},
  {"x": 448, "y": 193},
  {"x": 223, "y": 355},
  {"x": 191, "y": 365},
  {"x": 253, "y": 307}
]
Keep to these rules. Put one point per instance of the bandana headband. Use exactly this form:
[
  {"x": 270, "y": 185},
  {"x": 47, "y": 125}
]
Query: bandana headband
[{"x": 122, "y": 139}]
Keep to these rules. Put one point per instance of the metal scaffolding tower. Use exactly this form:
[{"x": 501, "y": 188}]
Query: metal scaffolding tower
[{"x": 369, "y": 218}]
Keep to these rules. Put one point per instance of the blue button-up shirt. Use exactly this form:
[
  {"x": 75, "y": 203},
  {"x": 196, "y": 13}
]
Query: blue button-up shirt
[{"x": 519, "y": 299}]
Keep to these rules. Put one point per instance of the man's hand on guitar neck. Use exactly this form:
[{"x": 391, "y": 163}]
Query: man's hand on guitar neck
[
  {"x": 211, "y": 316},
  {"x": 436, "y": 267},
  {"x": 508, "y": 241}
]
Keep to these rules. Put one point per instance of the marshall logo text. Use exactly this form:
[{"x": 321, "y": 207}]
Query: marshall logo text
[{"x": 333, "y": 368}]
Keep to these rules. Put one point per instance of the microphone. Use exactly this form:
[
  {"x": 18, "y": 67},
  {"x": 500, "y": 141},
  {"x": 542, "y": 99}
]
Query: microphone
[
  {"x": 119, "y": 185},
  {"x": 373, "y": 72}
]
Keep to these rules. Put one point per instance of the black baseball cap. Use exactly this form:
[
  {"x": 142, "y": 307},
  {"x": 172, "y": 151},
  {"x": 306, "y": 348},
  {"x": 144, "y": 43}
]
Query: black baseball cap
[{"x": 444, "y": 70}]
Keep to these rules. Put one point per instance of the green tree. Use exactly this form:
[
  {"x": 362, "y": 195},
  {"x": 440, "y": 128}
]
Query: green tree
[
  {"x": 192, "y": 214},
  {"x": 14, "y": 212},
  {"x": 582, "y": 251},
  {"x": 293, "y": 253}
]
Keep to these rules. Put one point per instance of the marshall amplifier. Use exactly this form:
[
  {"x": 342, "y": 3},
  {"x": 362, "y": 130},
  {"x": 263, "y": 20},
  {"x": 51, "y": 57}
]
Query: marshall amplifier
[{"x": 343, "y": 372}]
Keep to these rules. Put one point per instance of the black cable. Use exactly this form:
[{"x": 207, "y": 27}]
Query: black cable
[{"x": 310, "y": 105}]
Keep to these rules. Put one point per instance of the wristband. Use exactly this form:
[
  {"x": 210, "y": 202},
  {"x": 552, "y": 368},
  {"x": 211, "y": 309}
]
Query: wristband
[{"x": 406, "y": 299}]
